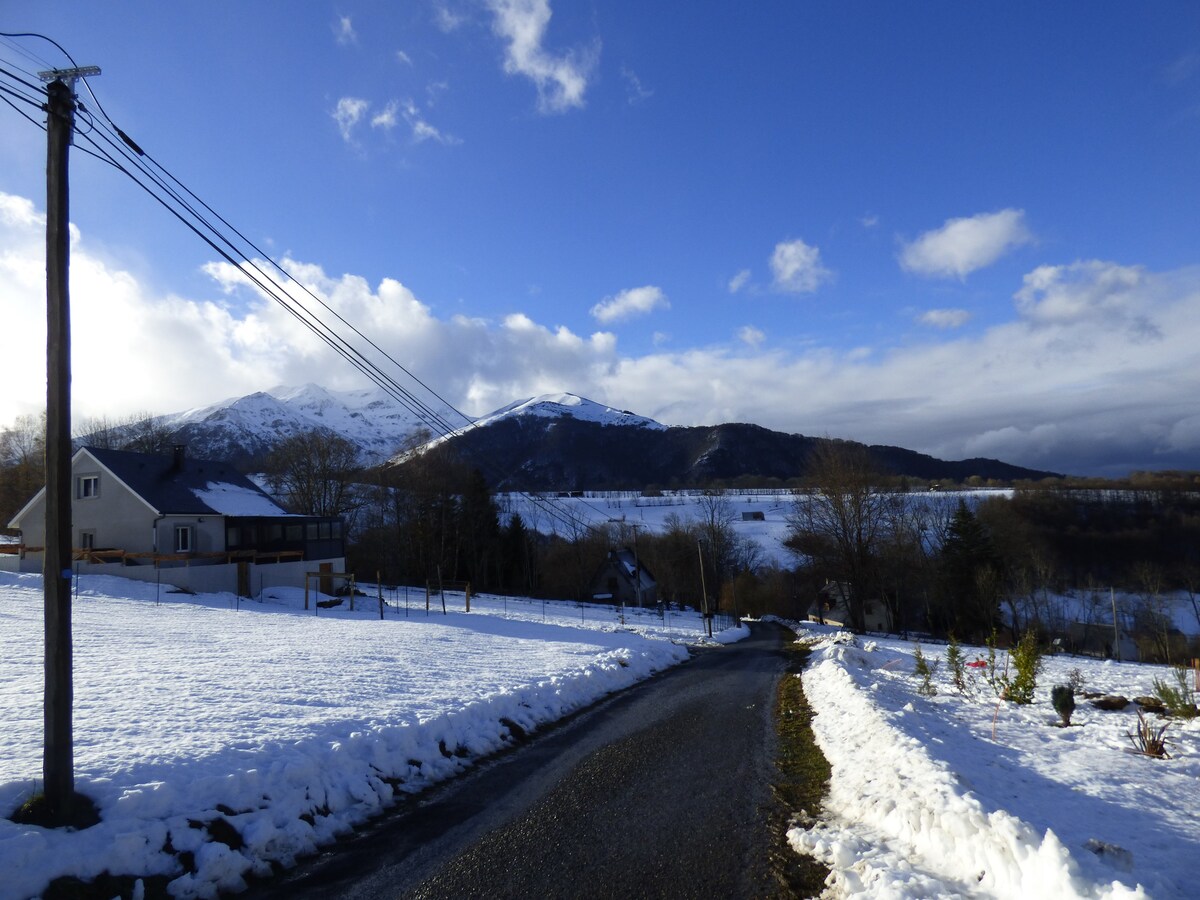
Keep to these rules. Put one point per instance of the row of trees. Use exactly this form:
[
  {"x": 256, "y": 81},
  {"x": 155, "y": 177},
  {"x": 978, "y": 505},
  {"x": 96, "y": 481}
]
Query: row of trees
[
  {"x": 952, "y": 569},
  {"x": 928, "y": 563},
  {"x": 23, "y": 450}
]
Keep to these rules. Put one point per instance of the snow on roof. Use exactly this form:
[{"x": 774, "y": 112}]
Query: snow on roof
[
  {"x": 236, "y": 500},
  {"x": 177, "y": 484}
]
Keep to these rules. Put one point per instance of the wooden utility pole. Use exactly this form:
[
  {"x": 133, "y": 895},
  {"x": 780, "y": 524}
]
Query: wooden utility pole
[{"x": 58, "y": 758}]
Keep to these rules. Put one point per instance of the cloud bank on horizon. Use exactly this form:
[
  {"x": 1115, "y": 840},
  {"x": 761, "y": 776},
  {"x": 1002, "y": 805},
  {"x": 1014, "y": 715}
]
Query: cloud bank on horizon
[
  {"x": 900, "y": 226},
  {"x": 1093, "y": 370}
]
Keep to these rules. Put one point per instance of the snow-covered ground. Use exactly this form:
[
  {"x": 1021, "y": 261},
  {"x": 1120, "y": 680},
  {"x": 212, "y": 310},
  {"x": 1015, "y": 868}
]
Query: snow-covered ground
[
  {"x": 292, "y": 725},
  {"x": 295, "y": 725},
  {"x": 949, "y": 796},
  {"x": 651, "y": 515}
]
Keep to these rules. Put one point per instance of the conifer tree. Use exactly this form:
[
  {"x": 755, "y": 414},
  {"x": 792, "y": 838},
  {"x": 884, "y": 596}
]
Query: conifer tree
[{"x": 968, "y": 590}]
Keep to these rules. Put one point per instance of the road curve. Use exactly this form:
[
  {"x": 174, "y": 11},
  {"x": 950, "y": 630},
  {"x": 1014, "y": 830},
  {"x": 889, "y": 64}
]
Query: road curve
[{"x": 661, "y": 791}]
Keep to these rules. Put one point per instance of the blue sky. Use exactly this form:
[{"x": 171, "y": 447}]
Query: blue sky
[{"x": 965, "y": 228}]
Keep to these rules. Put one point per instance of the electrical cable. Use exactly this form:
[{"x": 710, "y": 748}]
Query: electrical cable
[
  {"x": 34, "y": 34},
  {"x": 22, "y": 112},
  {"x": 267, "y": 284},
  {"x": 559, "y": 511},
  {"x": 563, "y": 515},
  {"x": 33, "y": 86}
]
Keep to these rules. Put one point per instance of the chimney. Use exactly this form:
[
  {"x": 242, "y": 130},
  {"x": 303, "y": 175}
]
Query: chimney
[{"x": 178, "y": 453}]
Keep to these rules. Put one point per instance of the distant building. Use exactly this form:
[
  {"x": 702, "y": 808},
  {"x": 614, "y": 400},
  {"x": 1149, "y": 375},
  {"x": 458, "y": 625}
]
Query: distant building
[
  {"x": 1093, "y": 639},
  {"x": 621, "y": 579},
  {"x": 833, "y": 607}
]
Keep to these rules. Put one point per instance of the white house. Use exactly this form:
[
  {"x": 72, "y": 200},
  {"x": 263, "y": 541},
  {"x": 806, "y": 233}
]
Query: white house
[{"x": 198, "y": 524}]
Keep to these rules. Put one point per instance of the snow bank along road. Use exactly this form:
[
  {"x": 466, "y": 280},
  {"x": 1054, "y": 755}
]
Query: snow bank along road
[
  {"x": 660, "y": 791},
  {"x": 959, "y": 795},
  {"x": 223, "y": 740}
]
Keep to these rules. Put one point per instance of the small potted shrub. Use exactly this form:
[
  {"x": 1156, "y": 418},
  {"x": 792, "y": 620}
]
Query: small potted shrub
[{"x": 1063, "y": 699}]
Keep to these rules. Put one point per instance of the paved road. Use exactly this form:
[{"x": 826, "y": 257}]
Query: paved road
[{"x": 660, "y": 791}]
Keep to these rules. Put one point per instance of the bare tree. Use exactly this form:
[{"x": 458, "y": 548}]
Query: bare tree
[
  {"x": 315, "y": 472},
  {"x": 140, "y": 432},
  {"x": 842, "y": 520},
  {"x": 22, "y": 463}
]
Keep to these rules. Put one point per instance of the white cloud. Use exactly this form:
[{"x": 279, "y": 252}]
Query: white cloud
[
  {"x": 628, "y": 303},
  {"x": 447, "y": 19},
  {"x": 343, "y": 31},
  {"x": 635, "y": 90},
  {"x": 751, "y": 336},
  {"x": 352, "y": 110},
  {"x": 944, "y": 318},
  {"x": 347, "y": 114},
  {"x": 1056, "y": 386},
  {"x": 797, "y": 268},
  {"x": 561, "y": 79},
  {"x": 403, "y": 57},
  {"x": 870, "y": 220},
  {"x": 434, "y": 91},
  {"x": 961, "y": 246},
  {"x": 422, "y": 130},
  {"x": 738, "y": 281},
  {"x": 1090, "y": 291},
  {"x": 387, "y": 118}
]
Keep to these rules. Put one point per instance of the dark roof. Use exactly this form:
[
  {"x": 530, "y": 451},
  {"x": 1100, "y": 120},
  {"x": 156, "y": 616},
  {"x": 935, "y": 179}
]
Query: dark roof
[
  {"x": 630, "y": 565},
  {"x": 169, "y": 483}
]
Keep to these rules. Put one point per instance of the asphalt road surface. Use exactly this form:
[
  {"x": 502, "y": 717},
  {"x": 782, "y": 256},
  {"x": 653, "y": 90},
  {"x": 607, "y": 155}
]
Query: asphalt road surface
[{"x": 660, "y": 791}]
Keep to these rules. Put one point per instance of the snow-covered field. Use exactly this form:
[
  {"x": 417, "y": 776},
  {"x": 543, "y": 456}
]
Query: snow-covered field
[
  {"x": 948, "y": 796},
  {"x": 295, "y": 725},
  {"x": 652, "y": 514},
  {"x": 292, "y": 725}
]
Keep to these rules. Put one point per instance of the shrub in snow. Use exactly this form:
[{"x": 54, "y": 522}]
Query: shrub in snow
[
  {"x": 926, "y": 688},
  {"x": 958, "y": 666},
  {"x": 1179, "y": 698},
  {"x": 1063, "y": 699},
  {"x": 1149, "y": 740},
  {"x": 1027, "y": 662},
  {"x": 1076, "y": 680},
  {"x": 990, "y": 672}
]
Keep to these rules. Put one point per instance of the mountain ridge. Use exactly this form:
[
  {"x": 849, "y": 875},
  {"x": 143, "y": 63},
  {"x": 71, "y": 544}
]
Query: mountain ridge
[
  {"x": 556, "y": 441},
  {"x": 529, "y": 453}
]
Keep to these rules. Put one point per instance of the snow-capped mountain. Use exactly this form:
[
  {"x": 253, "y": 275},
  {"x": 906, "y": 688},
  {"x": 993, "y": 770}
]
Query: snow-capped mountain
[
  {"x": 554, "y": 407},
  {"x": 569, "y": 406},
  {"x": 555, "y": 441},
  {"x": 247, "y": 428}
]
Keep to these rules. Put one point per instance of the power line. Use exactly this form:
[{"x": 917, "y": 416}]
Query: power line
[
  {"x": 112, "y": 145},
  {"x": 268, "y": 286},
  {"x": 32, "y": 85},
  {"x": 7, "y": 39}
]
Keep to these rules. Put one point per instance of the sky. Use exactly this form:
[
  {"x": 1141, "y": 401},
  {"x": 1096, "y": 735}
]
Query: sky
[{"x": 965, "y": 229}]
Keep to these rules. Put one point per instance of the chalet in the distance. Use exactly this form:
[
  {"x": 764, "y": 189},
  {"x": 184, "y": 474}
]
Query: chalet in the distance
[
  {"x": 197, "y": 524},
  {"x": 623, "y": 579}
]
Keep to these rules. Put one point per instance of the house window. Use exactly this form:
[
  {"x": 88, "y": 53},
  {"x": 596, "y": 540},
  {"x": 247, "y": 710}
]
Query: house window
[
  {"x": 87, "y": 540},
  {"x": 183, "y": 538},
  {"x": 87, "y": 487}
]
